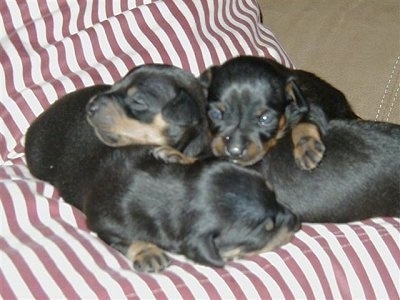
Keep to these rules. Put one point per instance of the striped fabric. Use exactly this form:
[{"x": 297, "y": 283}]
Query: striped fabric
[{"x": 50, "y": 48}]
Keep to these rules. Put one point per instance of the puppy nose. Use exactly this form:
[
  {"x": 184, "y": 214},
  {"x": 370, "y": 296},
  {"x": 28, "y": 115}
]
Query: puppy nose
[{"x": 234, "y": 149}]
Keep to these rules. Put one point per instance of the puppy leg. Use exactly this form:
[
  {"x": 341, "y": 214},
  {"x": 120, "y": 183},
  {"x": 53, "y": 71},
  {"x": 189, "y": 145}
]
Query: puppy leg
[
  {"x": 171, "y": 155},
  {"x": 147, "y": 257},
  {"x": 308, "y": 146}
]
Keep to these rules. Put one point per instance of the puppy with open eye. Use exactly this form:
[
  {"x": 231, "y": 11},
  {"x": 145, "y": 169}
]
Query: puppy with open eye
[
  {"x": 254, "y": 101},
  {"x": 210, "y": 211}
]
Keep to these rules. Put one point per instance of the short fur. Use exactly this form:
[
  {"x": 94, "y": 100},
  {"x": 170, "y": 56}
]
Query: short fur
[
  {"x": 153, "y": 104},
  {"x": 254, "y": 101},
  {"x": 357, "y": 179},
  {"x": 210, "y": 211},
  {"x": 166, "y": 93}
]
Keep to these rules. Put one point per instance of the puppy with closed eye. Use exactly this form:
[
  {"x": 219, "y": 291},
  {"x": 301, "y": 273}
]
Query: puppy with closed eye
[
  {"x": 153, "y": 104},
  {"x": 254, "y": 101},
  {"x": 210, "y": 211}
]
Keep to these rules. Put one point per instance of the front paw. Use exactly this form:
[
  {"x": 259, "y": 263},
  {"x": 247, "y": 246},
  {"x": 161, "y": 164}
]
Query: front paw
[
  {"x": 147, "y": 257},
  {"x": 171, "y": 155},
  {"x": 308, "y": 152}
]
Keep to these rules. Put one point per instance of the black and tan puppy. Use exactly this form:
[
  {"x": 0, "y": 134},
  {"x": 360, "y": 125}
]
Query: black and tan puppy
[
  {"x": 153, "y": 104},
  {"x": 210, "y": 211},
  {"x": 254, "y": 101},
  {"x": 357, "y": 179}
]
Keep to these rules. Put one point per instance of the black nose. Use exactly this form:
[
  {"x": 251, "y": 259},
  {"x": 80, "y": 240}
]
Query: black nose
[
  {"x": 235, "y": 151},
  {"x": 234, "y": 148}
]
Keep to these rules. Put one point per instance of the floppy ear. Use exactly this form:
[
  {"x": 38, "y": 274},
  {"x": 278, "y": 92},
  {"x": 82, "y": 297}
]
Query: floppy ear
[
  {"x": 294, "y": 93},
  {"x": 206, "y": 77},
  {"x": 182, "y": 110},
  {"x": 202, "y": 249}
]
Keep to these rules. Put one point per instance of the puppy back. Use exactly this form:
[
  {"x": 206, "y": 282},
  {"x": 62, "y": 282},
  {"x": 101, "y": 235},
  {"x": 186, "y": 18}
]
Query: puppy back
[
  {"x": 357, "y": 179},
  {"x": 61, "y": 126}
]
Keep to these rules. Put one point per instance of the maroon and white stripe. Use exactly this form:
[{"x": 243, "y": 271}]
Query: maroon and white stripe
[{"x": 50, "y": 48}]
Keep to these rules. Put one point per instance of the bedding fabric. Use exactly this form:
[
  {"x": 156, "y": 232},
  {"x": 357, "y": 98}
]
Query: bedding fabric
[{"x": 49, "y": 48}]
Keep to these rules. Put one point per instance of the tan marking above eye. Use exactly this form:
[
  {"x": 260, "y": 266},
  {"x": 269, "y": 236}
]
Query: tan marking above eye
[
  {"x": 132, "y": 91},
  {"x": 269, "y": 225},
  {"x": 260, "y": 111},
  {"x": 221, "y": 106}
]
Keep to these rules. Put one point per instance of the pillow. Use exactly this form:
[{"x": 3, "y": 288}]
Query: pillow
[{"x": 50, "y": 48}]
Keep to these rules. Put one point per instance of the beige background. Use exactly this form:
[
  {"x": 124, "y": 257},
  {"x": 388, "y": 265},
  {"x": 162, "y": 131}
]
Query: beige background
[{"x": 355, "y": 45}]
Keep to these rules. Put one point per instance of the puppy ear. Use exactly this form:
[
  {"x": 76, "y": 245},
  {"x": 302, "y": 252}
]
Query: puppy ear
[
  {"x": 202, "y": 249},
  {"x": 182, "y": 110},
  {"x": 294, "y": 93},
  {"x": 206, "y": 77}
]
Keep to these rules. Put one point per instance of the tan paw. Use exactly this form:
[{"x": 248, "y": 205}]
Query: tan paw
[
  {"x": 171, "y": 155},
  {"x": 308, "y": 147},
  {"x": 308, "y": 153},
  {"x": 147, "y": 257}
]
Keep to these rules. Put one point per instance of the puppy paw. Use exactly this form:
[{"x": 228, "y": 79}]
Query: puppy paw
[
  {"x": 147, "y": 257},
  {"x": 171, "y": 155},
  {"x": 308, "y": 146},
  {"x": 308, "y": 152}
]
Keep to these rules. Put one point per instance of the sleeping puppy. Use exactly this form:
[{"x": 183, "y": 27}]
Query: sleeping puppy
[
  {"x": 357, "y": 179},
  {"x": 254, "y": 101},
  {"x": 153, "y": 104},
  {"x": 210, "y": 211},
  {"x": 136, "y": 202}
]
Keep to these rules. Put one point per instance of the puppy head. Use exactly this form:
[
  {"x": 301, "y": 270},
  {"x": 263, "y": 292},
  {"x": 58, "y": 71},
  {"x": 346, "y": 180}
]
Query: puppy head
[
  {"x": 240, "y": 217},
  {"x": 247, "y": 100},
  {"x": 153, "y": 104}
]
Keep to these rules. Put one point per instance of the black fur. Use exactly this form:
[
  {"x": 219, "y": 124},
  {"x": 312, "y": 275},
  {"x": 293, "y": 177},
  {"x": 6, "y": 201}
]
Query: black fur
[
  {"x": 254, "y": 101},
  {"x": 357, "y": 179},
  {"x": 50, "y": 146},
  {"x": 202, "y": 210},
  {"x": 211, "y": 211}
]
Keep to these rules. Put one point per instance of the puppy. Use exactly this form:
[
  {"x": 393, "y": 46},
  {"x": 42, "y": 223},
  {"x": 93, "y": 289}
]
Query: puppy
[
  {"x": 153, "y": 104},
  {"x": 357, "y": 179},
  {"x": 134, "y": 201},
  {"x": 210, "y": 211},
  {"x": 254, "y": 101}
]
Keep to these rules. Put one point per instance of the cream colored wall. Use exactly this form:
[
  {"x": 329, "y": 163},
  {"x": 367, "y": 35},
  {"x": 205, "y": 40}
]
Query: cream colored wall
[{"x": 352, "y": 44}]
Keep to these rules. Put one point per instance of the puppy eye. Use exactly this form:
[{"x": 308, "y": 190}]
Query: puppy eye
[
  {"x": 138, "y": 104},
  {"x": 265, "y": 119},
  {"x": 215, "y": 114}
]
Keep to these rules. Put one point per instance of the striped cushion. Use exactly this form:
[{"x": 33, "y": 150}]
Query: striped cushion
[{"x": 49, "y": 49}]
